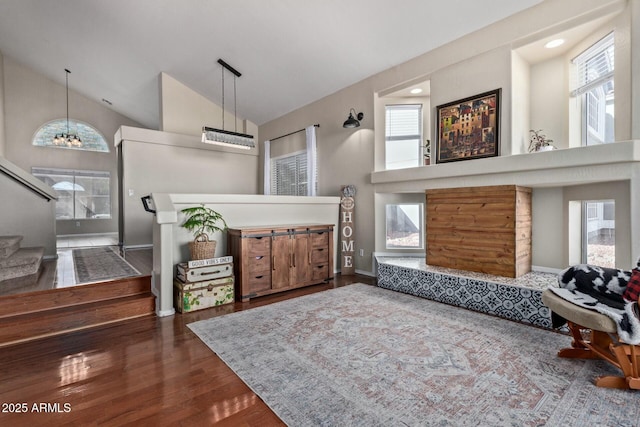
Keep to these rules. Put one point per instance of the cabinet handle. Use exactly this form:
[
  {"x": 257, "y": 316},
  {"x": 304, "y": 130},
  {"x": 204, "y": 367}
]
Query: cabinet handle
[
  {"x": 273, "y": 263},
  {"x": 293, "y": 256}
]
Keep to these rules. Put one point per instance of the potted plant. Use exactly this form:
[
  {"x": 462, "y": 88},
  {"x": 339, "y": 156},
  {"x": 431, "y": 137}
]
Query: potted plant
[
  {"x": 539, "y": 141},
  {"x": 201, "y": 220},
  {"x": 426, "y": 152}
]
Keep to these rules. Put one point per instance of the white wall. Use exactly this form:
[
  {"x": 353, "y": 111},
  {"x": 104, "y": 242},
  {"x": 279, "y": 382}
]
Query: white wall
[
  {"x": 156, "y": 161},
  {"x": 475, "y": 75},
  {"x": 473, "y": 64},
  {"x": 31, "y": 100},
  {"x": 2, "y": 131},
  {"x": 550, "y": 100},
  {"x": 345, "y": 156},
  {"x": 36, "y": 223},
  {"x": 182, "y": 110},
  {"x": 551, "y": 106},
  {"x": 520, "y": 104}
]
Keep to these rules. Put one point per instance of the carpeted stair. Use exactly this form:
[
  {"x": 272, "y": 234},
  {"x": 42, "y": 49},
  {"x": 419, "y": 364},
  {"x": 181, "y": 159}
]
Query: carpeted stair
[{"x": 18, "y": 266}]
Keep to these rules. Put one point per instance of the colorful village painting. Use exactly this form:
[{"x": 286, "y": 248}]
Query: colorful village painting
[{"x": 468, "y": 129}]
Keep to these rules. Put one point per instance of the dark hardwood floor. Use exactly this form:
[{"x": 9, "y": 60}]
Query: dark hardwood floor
[{"x": 147, "y": 371}]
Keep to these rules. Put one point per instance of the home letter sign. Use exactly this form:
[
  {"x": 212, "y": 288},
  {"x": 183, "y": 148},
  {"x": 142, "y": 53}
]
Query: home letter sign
[{"x": 347, "y": 228}]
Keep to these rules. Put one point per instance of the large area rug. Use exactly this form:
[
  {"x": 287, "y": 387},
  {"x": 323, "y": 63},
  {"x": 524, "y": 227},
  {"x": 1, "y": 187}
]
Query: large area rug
[
  {"x": 366, "y": 356},
  {"x": 98, "y": 264}
]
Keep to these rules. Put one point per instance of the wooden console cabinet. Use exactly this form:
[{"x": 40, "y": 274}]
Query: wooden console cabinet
[{"x": 278, "y": 258}]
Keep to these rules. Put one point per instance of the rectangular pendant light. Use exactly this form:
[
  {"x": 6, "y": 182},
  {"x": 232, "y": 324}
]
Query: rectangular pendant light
[{"x": 227, "y": 138}]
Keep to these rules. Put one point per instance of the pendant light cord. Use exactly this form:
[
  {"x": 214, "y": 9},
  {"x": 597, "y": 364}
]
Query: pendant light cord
[
  {"x": 222, "y": 98},
  {"x": 67, "y": 86},
  {"x": 235, "y": 102}
]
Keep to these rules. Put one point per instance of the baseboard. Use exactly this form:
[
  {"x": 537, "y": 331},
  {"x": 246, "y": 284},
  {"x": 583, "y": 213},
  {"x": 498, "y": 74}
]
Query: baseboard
[
  {"x": 165, "y": 313},
  {"x": 365, "y": 273},
  {"x": 374, "y": 263},
  {"x": 545, "y": 269},
  {"x": 50, "y": 257},
  {"x": 147, "y": 246},
  {"x": 114, "y": 234},
  {"x": 399, "y": 254}
]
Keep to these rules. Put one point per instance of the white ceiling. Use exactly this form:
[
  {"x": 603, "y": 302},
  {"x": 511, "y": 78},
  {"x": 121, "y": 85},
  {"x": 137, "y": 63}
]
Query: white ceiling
[{"x": 290, "y": 52}]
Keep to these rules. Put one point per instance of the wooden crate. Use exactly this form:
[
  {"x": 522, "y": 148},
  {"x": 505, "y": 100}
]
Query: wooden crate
[{"x": 483, "y": 229}]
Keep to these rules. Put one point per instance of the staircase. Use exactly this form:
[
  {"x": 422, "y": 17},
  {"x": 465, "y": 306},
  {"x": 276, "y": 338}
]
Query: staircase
[
  {"x": 29, "y": 316},
  {"x": 19, "y": 267}
]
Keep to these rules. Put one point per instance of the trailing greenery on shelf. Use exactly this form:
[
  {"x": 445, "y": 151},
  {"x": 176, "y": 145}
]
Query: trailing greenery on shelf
[
  {"x": 426, "y": 148},
  {"x": 539, "y": 140}
]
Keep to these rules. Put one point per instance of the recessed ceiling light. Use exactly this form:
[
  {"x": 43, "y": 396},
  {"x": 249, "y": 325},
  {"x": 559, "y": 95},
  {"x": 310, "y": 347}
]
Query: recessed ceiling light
[
  {"x": 416, "y": 91},
  {"x": 554, "y": 43}
]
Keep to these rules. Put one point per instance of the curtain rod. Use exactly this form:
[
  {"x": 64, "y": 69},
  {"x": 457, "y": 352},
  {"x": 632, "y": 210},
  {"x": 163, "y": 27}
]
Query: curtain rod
[{"x": 291, "y": 133}]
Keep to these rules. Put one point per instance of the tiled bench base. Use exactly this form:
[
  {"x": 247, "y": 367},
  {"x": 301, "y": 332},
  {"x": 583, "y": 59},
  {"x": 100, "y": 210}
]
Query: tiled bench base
[{"x": 515, "y": 299}]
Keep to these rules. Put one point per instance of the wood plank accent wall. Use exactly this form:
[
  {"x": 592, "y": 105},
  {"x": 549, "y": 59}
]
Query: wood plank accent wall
[{"x": 483, "y": 229}]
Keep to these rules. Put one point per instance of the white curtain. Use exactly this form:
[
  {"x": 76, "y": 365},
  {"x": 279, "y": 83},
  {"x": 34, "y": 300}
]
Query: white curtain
[
  {"x": 311, "y": 160},
  {"x": 267, "y": 167}
]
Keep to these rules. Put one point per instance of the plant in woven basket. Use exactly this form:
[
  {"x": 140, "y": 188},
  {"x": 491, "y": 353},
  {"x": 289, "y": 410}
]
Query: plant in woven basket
[{"x": 201, "y": 221}]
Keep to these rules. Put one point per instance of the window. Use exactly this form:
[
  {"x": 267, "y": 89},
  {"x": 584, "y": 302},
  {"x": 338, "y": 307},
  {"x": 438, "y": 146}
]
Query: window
[
  {"x": 404, "y": 226},
  {"x": 81, "y": 194},
  {"x": 598, "y": 225},
  {"x": 289, "y": 174},
  {"x": 593, "y": 84},
  {"x": 92, "y": 140},
  {"x": 403, "y": 136}
]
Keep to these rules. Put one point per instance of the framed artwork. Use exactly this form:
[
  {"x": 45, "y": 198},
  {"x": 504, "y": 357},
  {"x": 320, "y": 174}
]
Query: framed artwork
[{"x": 469, "y": 128}]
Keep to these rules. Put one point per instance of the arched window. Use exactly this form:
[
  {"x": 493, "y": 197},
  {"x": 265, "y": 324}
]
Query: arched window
[{"x": 92, "y": 140}]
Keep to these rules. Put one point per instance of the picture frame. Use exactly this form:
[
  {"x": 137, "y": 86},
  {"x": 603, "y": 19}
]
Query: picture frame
[{"x": 469, "y": 128}]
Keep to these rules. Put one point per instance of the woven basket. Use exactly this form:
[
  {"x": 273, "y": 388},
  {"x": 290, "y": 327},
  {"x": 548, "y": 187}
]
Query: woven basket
[{"x": 202, "y": 247}]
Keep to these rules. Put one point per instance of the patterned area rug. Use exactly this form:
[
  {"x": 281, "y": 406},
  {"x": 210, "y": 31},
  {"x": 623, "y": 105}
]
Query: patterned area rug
[
  {"x": 98, "y": 264},
  {"x": 366, "y": 356}
]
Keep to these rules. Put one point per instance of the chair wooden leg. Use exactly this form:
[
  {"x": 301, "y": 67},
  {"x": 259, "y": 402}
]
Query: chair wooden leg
[
  {"x": 611, "y": 382},
  {"x": 580, "y": 348},
  {"x": 600, "y": 346}
]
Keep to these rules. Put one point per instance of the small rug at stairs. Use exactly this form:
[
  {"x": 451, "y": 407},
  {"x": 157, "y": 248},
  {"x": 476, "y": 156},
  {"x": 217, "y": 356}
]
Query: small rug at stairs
[
  {"x": 365, "y": 356},
  {"x": 99, "y": 264}
]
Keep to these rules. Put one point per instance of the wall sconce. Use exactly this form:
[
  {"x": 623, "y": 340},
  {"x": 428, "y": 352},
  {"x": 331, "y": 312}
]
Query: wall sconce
[{"x": 352, "y": 122}]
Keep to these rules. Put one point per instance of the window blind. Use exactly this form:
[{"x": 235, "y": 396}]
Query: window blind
[
  {"x": 403, "y": 122},
  {"x": 288, "y": 174},
  {"x": 594, "y": 67}
]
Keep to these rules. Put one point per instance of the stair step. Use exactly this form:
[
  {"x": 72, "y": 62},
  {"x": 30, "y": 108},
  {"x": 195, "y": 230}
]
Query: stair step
[
  {"x": 9, "y": 245},
  {"x": 58, "y": 321},
  {"x": 13, "y": 305},
  {"x": 24, "y": 265},
  {"x": 24, "y": 256}
]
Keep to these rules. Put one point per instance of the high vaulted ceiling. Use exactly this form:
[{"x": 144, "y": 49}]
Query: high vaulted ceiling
[{"x": 290, "y": 52}]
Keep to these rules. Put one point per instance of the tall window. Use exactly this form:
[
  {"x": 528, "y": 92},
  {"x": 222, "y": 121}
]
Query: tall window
[
  {"x": 403, "y": 136},
  {"x": 81, "y": 194},
  {"x": 598, "y": 233},
  {"x": 404, "y": 226},
  {"x": 593, "y": 84},
  {"x": 92, "y": 140},
  {"x": 289, "y": 175}
]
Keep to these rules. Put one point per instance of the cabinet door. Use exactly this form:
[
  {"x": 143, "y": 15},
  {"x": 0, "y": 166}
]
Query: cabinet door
[
  {"x": 301, "y": 268},
  {"x": 281, "y": 260}
]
